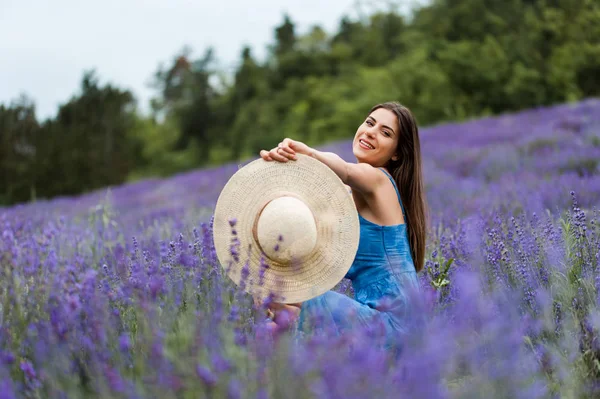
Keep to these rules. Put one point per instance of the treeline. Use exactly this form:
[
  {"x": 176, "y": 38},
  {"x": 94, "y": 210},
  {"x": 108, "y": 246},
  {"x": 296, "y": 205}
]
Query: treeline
[{"x": 450, "y": 60}]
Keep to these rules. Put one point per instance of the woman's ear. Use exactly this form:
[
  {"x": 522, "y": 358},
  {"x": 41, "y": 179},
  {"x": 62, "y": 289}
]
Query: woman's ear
[{"x": 395, "y": 157}]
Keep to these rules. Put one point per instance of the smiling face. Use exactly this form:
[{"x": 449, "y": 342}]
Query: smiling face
[{"x": 377, "y": 137}]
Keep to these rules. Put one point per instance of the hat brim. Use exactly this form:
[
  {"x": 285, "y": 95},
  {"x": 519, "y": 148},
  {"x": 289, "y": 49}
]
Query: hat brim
[{"x": 338, "y": 230}]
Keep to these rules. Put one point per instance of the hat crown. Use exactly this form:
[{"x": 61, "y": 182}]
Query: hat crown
[{"x": 286, "y": 230}]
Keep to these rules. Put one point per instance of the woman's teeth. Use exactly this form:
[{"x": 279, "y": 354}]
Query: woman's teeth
[{"x": 366, "y": 145}]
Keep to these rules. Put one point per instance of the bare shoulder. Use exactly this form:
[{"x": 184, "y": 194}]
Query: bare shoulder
[{"x": 365, "y": 177}]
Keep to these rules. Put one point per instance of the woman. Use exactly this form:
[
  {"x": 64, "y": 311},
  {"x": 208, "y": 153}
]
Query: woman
[{"x": 387, "y": 187}]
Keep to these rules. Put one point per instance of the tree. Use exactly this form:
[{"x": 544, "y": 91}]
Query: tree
[
  {"x": 18, "y": 131},
  {"x": 88, "y": 144},
  {"x": 186, "y": 95},
  {"x": 285, "y": 36}
]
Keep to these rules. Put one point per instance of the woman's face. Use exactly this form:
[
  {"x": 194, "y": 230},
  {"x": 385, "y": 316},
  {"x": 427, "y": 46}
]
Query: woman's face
[{"x": 377, "y": 137}]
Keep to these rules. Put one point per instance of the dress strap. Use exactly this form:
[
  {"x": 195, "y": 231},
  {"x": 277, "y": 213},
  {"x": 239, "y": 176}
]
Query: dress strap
[{"x": 397, "y": 192}]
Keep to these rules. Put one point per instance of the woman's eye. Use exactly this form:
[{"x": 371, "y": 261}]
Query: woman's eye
[{"x": 387, "y": 134}]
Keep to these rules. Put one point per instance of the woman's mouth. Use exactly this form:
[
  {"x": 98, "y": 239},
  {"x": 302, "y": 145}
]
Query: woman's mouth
[{"x": 365, "y": 145}]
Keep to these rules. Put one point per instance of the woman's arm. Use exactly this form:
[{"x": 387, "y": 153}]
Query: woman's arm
[{"x": 361, "y": 177}]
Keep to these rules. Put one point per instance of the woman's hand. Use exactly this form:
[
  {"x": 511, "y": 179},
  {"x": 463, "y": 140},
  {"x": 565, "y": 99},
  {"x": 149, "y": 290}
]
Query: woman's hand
[
  {"x": 286, "y": 150},
  {"x": 281, "y": 316},
  {"x": 284, "y": 315}
]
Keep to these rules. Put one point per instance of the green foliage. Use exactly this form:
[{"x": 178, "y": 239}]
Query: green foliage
[
  {"x": 442, "y": 279},
  {"x": 581, "y": 166},
  {"x": 87, "y": 146},
  {"x": 448, "y": 61},
  {"x": 158, "y": 156},
  {"x": 18, "y": 128}
]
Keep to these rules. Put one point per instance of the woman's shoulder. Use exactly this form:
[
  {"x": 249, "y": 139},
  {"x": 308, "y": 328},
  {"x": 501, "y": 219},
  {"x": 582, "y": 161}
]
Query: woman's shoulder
[{"x": 364, "y": 177}]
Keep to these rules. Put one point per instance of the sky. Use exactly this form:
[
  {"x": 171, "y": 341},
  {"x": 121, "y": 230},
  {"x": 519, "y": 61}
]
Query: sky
[{"x": 46, "y": 45}]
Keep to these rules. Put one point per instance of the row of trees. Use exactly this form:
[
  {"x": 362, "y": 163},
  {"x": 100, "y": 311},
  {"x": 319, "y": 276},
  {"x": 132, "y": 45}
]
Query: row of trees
[{"x": 450, "y": 60}]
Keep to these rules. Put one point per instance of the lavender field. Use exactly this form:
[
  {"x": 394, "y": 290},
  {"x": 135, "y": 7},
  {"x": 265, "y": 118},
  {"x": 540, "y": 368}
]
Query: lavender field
[{"x": 118, "y": 293}]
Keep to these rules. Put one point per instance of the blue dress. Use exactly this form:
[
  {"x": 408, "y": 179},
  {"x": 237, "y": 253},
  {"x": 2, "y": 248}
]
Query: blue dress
[{"x": 382, "y": 275}]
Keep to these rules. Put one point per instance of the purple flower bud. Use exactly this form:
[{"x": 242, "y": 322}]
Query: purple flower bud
[
  {"x": 28, "y": 369},
  {"x": 240, "y": 338},
  {"x": 220, "y": 364},
  {"x": 124, "y": 342},
  {"x": 6, "y": 389},
  {"x": 234, "y": 391},
  {"x": 206, "y": 376},
  {"x": 7, "y": 358}
]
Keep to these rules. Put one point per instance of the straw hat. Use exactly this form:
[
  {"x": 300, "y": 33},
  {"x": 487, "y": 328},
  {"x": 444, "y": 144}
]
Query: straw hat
[{"x": 297, "y": 217}]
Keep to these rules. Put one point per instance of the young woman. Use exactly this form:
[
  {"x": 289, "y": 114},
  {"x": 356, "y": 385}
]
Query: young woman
[{"x": 387, "y": 187}]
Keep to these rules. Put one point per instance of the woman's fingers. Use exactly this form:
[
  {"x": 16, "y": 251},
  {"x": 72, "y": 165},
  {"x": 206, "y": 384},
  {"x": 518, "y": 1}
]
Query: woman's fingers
[
  {"x": 281, "y": 153},
  {"x": 287, "y": 152},
  {"x": 265, "y": 155},
  {"x": 292, "y": 308},
  {"x": 276, "y": 155},
  {"x": 286, "y": 146},
  {"x": 288, "y": 143}
]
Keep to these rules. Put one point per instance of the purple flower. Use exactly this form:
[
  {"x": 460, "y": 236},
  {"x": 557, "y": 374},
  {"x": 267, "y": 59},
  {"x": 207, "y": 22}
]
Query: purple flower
[
  {"x": 206, "y": 376},
  {"x": 6, "y": 389},
  {"x": 514, "y": 207},
  {"x": 7, "y": 357},
  {"x": 234, "y": 390},
  {"x": 220, "y": 364},
  {"x": 124, "y": 342},
  {"x": 115, "y": 381},
  {"x": 28, "y": 370}
]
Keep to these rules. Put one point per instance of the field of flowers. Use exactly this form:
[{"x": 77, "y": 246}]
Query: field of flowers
[{"x": 119, "y": 294}]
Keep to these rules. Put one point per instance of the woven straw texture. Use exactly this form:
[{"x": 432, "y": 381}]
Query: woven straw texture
[{"x": 249, "y": 190}]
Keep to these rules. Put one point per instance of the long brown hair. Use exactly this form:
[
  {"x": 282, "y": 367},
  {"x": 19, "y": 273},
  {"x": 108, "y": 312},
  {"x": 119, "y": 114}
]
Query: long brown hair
[{"x": 407, "y": 171}]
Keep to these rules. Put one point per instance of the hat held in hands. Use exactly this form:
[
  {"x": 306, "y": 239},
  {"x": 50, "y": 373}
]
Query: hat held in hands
[{"x": 298, "y": 217}]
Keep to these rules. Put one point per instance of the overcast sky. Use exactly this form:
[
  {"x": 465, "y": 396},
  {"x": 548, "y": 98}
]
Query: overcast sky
[{"x": 45, "y": 45}]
